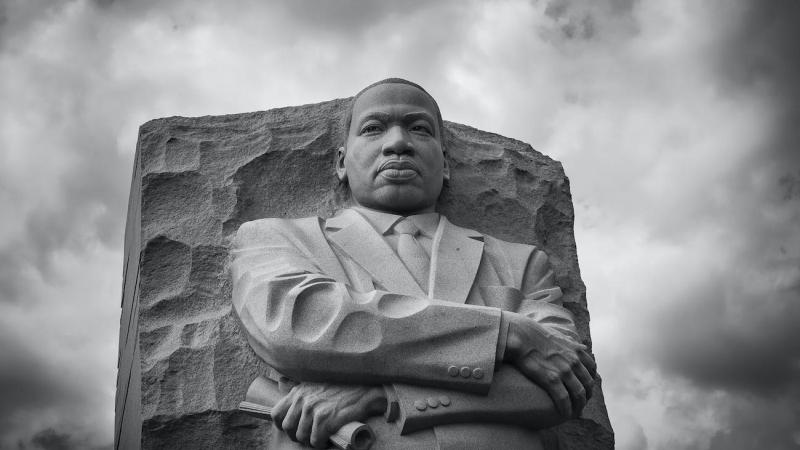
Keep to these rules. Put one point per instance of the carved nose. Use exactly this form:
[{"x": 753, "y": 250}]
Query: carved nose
[{"x": 396, "y": 142}]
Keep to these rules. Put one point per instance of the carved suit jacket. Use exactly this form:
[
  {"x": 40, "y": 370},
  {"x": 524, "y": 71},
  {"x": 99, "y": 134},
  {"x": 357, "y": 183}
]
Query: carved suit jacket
[{"x": 330, "y": 301}]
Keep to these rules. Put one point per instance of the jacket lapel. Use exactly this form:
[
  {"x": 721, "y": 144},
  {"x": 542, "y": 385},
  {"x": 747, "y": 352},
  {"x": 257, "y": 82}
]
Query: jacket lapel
[
  {"x": 457, "y": 254},
  {"x": 356, "y": 237}
]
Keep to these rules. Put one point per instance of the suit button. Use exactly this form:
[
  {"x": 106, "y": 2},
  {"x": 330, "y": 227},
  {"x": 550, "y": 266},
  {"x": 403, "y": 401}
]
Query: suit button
[
  {"x": 477, "y": 373},
  {"x": 465, "y": 372},
  {"x": 452, "y": 371},
  {"x": 432, "y": 402},
  {"x": 420, "y": 405},
  {"x": 444, "y": 400}
]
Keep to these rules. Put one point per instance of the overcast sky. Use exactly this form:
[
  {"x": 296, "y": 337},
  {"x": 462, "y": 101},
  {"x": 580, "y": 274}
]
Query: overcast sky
[{"x": 678, "y": 123}]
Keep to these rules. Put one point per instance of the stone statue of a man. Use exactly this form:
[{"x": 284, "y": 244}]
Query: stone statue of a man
[{"x": 435, "y": 335}]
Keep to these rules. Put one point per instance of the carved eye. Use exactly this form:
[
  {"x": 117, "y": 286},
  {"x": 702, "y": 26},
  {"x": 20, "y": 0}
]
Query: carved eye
[
  {"x": 371, "y": 128},
  {"x": 421, "y": 128}
]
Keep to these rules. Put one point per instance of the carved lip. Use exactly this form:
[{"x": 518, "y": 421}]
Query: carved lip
[
  {"x": 398, "y": 170},
  {"x": 398, "y": 164}
]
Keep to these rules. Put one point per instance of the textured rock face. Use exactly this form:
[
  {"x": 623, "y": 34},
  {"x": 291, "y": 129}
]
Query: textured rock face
[{"x": 184, "y": 362}]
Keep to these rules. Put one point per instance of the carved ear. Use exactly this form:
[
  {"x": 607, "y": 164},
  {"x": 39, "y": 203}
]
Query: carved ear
[{"x": 341, "y": 170}]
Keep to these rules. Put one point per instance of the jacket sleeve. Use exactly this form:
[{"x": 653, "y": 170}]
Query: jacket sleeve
[
  {"x": 311, "y": 327},
  {"x": 513, "y": 398}
]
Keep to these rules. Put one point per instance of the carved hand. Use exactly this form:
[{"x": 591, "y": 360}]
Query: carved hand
[
  {"x": 312, "y": 412},
  {"x": 559, "y": 365}
]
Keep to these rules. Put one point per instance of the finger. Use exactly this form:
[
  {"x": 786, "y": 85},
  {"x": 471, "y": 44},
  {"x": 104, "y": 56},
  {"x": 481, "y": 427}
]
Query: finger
[
  {"x": 560, "y": 397},
  {"x": 588, "y": 361},
  {"x": 551, "y": 382},
  {"x": 576, "y": 392},
  {"x": 279, "y": 411},
  {"x": 585, "y": 378},
  {"x": 321, "y": 431},
  {"x": 303, "y": 432},
  {"x": 292, "y": 418}
]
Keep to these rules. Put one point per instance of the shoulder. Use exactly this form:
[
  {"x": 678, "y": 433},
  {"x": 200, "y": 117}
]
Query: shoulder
[
  {"x": 505, "y": 250},
  {"x": 522, "y": 258},
  {"x": 507, "y": 246},
  {"x": 268, "y": 229}
]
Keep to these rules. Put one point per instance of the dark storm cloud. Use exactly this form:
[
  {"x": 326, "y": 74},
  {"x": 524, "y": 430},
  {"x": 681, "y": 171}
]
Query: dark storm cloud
[
  {"x": 51, "y": 439},
  {"x": 28, "y": 384},
  {"x": 353, "y": 16},
  {"x": 585, "y": 20},
  {"x": 756, "y": 423},
  {"x": 734, "y": 329},
  {"x": 735, "y": 342},
  {"x": 16, "y": 16},
  {"x": 762, "y": 54},
  {"x": 733, "y": 335},
  {"x": 77, "y": 127},
  {"x": 11, "y": 276}
]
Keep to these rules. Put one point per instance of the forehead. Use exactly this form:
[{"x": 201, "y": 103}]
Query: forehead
[{"x": 385, "y": 97}]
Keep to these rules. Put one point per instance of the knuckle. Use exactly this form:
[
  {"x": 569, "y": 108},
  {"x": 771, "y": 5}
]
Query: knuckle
[{"x": 320, "y": 415}]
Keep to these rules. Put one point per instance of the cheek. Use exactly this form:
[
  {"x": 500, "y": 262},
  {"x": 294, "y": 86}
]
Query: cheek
[
  {"x": 358, "y": 168},
  {"x": 435, "y": 162}
]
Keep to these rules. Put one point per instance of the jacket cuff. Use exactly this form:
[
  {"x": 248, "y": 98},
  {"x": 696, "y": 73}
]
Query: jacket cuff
[
  {"x": 392, "y": 405},
  {"x": 419, "y": 407},
  {"x": 502, "y": 340}
]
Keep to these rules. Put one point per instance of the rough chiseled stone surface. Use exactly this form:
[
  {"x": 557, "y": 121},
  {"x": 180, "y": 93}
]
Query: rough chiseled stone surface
[{"x": 198, "y": 179}]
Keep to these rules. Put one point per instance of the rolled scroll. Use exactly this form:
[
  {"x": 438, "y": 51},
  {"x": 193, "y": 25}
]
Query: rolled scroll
[{"x": 352, "y": 436}]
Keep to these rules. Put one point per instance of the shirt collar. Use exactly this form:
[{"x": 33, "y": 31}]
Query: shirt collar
[{"x": 383, "y": 222}]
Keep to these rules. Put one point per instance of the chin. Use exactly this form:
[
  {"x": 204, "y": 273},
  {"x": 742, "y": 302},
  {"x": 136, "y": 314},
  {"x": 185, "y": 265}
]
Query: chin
[{"x": 401, "y": 202}]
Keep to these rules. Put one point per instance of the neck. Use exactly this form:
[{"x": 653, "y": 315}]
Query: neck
[{"x": 428, "y": 209}]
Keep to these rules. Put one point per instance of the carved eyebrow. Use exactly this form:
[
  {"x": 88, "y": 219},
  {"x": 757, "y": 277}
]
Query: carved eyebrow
[
  {"x": 381, "y": 116},
  {"x": 412, "y": 116}
]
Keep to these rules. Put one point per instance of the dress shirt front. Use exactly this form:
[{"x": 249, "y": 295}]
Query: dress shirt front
[{"x": 383, "y": 222}]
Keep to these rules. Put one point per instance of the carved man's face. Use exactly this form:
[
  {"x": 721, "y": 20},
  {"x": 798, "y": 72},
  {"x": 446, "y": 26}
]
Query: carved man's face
[{"x": 393, "y": 159}]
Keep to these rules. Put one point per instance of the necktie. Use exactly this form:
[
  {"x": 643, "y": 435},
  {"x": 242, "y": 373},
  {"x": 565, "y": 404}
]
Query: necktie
[{"x": 411, "y": 252}]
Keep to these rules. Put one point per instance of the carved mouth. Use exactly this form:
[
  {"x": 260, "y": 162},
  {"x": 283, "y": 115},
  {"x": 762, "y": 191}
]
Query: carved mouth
[
  {"x": 398, "y": 169},
  {"x": 398, "y": 164}
]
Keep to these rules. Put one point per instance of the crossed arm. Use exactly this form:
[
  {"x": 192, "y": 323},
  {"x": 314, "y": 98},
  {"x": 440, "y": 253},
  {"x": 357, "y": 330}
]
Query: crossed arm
[{"x": 315, "y": 329}]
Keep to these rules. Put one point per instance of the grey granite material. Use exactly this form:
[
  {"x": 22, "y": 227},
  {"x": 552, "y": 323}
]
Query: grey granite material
[{"x": 184, "y": 361}]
